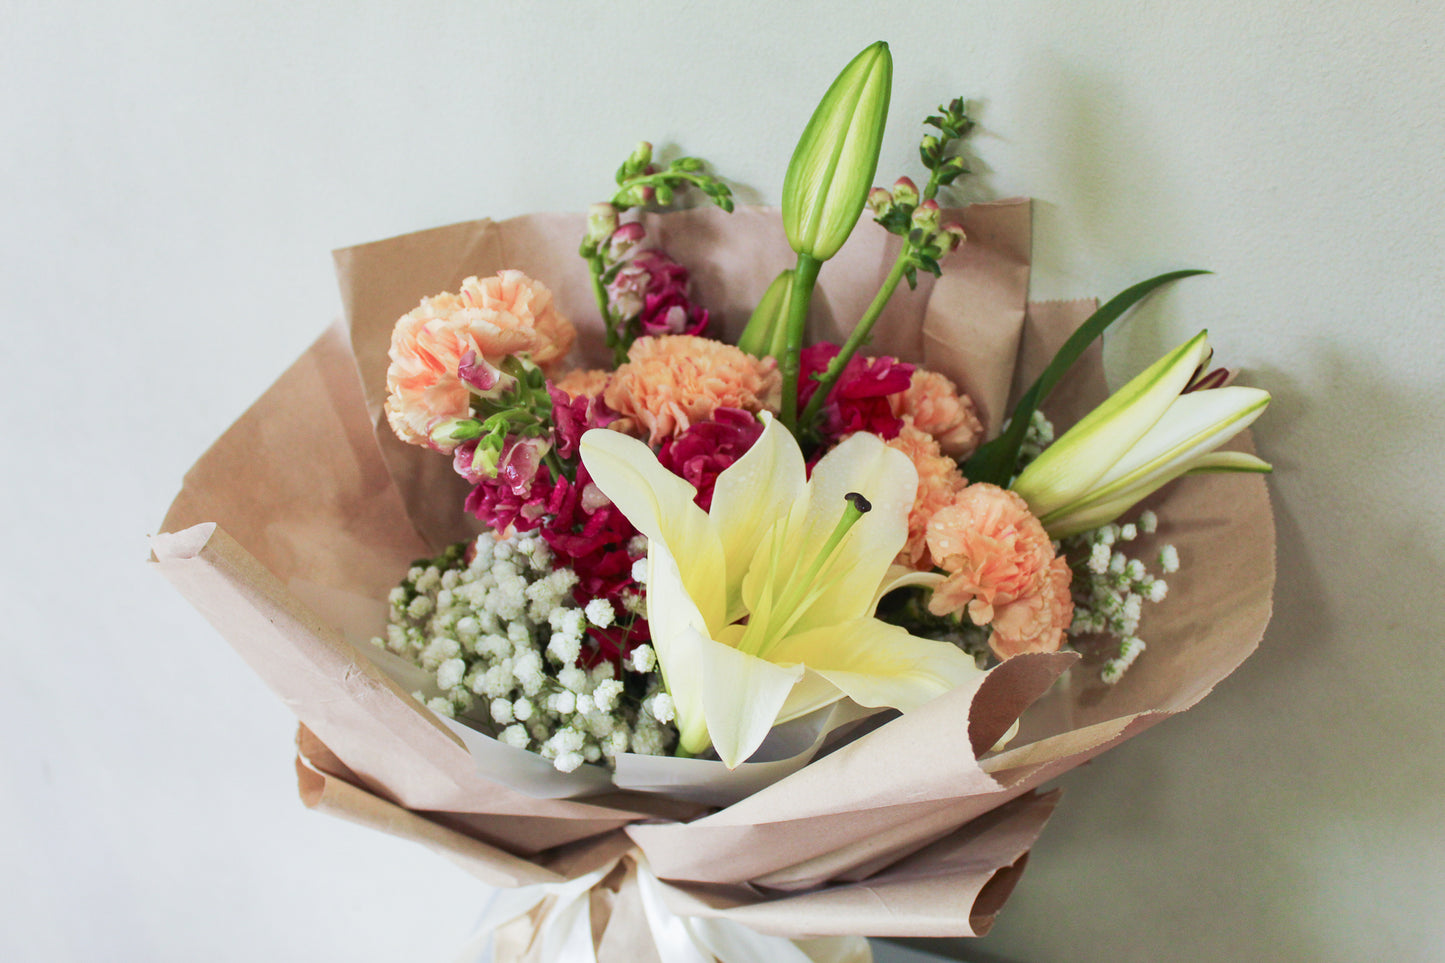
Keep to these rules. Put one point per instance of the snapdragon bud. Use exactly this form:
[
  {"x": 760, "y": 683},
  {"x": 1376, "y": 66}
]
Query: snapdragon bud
[
  {"x": 879, "y": 201},
  {"x": 446, "y": 434},
  {"x": 637, "y": 162},
  {"x": 832, "y": 168},
  {"x": 905, "y": 192},
  {"x": 601, "y": 221},
  {"x": 926, "y": 217},
  {"x": 624, "y": 239},
  {"x": 954, "y": 235},
  {"x": 482, "y": 378},
  {"x": 485, "y": 459},
  {"x": 638, "y": 195}
]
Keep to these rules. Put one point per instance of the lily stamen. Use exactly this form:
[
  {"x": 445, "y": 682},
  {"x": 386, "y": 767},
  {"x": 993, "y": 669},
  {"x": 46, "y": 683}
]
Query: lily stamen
[{"x": 802, "y": 589}]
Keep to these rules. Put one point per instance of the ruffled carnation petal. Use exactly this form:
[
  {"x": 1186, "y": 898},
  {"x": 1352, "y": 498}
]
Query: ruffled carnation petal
[
  {"x": 670, "y": 382},
  {"x": 1001, "y": 568},
  {"x": 934, "y": 405},
  {"x": 488, "y": 321},
  {"x": 939, "y": 480}
]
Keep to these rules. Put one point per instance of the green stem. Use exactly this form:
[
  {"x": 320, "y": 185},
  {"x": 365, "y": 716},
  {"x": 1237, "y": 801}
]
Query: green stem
[
  {"x": 931, "y": 190},
  {"x": 858, "y": 338},
  {"x": 554, "y": 462},
  {"x": 597, "y": 268},
  {"x": 695, "y": 178},
  {"x": 805, "y": 276}
]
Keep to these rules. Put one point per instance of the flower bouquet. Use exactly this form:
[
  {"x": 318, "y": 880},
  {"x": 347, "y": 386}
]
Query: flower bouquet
[{"x": 633, "y": 581}]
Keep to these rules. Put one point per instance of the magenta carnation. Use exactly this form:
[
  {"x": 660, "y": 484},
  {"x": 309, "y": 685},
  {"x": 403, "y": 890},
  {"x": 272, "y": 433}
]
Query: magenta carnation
[
  {"x": 859, "y": 401},
  {"x": 700, "y": 453}
]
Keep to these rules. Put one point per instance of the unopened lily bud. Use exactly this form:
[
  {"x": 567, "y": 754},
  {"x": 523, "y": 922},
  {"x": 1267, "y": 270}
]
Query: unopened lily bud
[
  {"x": 624, "y": 239},
  {"x": 769, "y": 317},
  {"x": 832, "y": 168},
  {"x": 953, "y": 233},
  {"x": 601, "y": 221},
  {"x": 905, "y": 192},
  {"x": 879, "y": 200}
]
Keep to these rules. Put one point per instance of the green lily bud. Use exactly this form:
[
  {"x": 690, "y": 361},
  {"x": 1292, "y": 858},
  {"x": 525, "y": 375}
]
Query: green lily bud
[
  {"x": 833, "y": 165},
  {"x": 769, "y": 318}
]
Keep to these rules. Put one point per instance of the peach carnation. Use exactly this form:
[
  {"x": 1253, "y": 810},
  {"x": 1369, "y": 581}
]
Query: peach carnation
[
  {"x": 1001, "y": 565},
  {"x": 1036, "y": 623},
  {"x": 671, "y": 381},
  {"x": 584, "y": 382},
  {"x": 491, "y": 318},
  {"x": 510, "y": 300},
  {"x": 939, "y": 480},
  {"x": 937, "y": 407}
]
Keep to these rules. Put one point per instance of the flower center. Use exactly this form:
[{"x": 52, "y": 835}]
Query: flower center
[{"x": 786, "y": 597}]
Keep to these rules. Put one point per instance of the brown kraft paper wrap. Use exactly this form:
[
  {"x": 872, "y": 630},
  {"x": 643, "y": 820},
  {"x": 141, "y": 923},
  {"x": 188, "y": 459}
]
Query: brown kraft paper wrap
[{"x": 289, "y": 532}]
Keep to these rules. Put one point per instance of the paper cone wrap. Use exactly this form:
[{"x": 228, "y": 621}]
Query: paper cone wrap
[{"x": 291, "y": 530}]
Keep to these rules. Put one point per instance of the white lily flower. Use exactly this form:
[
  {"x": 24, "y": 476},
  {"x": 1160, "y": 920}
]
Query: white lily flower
[
  {"x": 762, "y": 610},
  {"x": 1144, "y": 436}
]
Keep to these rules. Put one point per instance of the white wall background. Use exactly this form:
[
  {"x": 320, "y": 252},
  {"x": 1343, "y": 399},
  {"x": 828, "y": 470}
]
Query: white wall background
[{"x": 175, "y": 174}]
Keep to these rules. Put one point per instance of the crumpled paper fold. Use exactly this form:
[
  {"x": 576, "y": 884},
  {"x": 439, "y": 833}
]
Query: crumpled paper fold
[{"x": 289, "y": 532}]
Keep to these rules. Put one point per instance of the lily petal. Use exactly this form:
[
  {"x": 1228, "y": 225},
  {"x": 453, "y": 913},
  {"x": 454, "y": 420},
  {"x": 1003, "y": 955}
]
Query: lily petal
[
  {"x": 750, "y": 496},
  {"x": 1222, "y": 461},
  {"x": 677, "y": 626},
  {"x": 1194, "y": 425},
  {"x": 901, "y": 576},
  {"x": 846, "y": 589},
  {"x": 1071, "y": 466},
  {"x": 660, "y": 505},
  {"x": 742, "y": 697},
  {"x": 877, "y": 664}
]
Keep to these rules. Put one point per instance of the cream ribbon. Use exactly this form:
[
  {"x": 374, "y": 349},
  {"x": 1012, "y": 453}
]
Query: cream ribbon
[{"x": 564, "y": 932}]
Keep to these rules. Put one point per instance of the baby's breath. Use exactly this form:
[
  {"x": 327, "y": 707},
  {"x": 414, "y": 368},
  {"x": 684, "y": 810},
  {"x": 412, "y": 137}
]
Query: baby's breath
[{"x": 505, "y": 641}]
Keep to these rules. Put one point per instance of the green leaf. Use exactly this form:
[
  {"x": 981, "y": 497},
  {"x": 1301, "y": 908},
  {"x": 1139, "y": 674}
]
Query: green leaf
[{"x": 994, "y": 462}]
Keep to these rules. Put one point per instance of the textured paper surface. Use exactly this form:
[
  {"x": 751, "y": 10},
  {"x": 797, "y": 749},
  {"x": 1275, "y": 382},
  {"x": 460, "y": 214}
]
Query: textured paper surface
[{"x": 309, "y": 515}]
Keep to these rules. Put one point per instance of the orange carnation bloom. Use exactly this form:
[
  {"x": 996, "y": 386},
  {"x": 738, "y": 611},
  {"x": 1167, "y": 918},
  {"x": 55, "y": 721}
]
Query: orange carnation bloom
[
  {"x": 494, "y": 318},
  {"x": 938, "y": 481},
  {"x": 1001, "y": 565},
  {"x": 512, "y": 301},
  {"x": 590, "y": 382},
  {"x": 1036, "y": 623},
  {"x": 671, "y": 381},
  {"x": 936, "y": 407}
]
